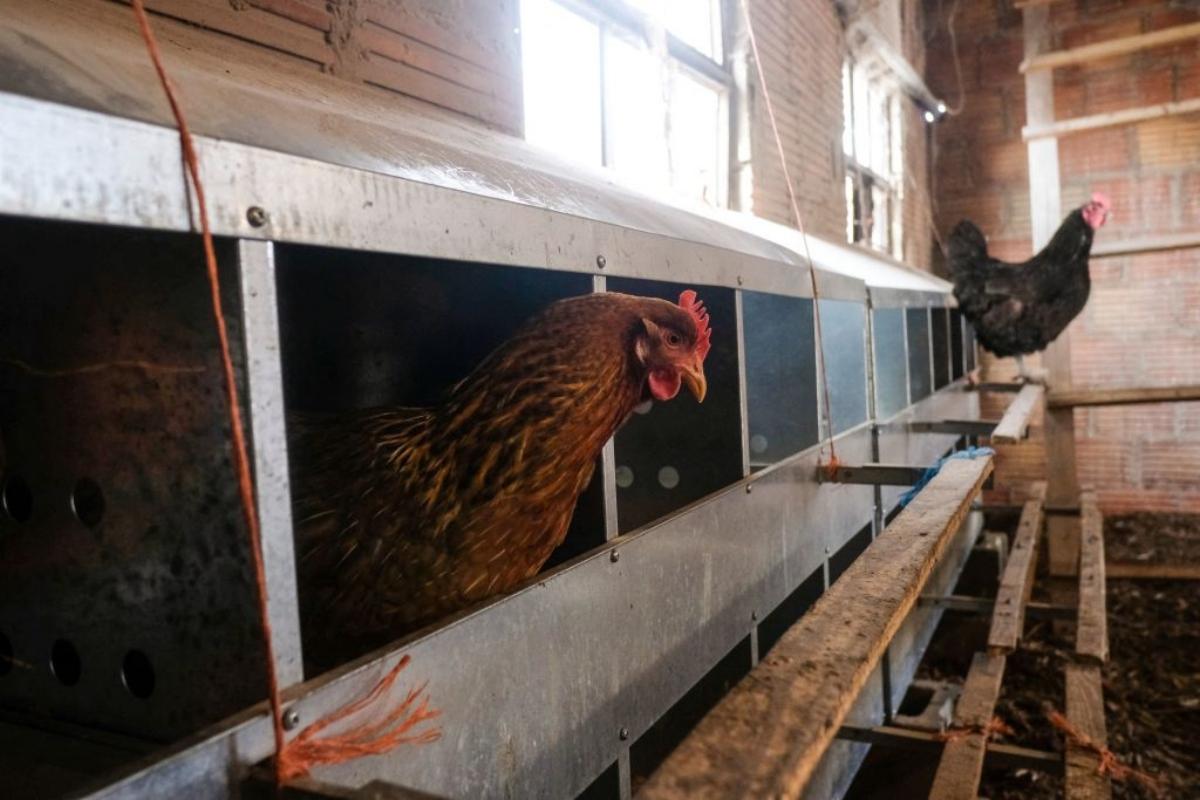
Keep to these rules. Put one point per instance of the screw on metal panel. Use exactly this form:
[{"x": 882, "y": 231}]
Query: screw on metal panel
[
  {"x": 739, "y": 280},
  {"x": 749, "y": 488},
  {"x": 256, "y": 216},
  {"x": 623, "y": 733},
  {"x": 614, "y": 556},
  {"x": 291, "y": 718},
  {"x": 754, "y": 615},
  {"x": 601, "y": 262}
]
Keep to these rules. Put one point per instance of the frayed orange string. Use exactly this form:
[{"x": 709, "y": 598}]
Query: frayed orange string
[
  {"x": 994, "y": 726},
  {"x": 1109, "y": 763},
  {"x": 306, "y": 751},
  {"x": 293, "y": 758}
]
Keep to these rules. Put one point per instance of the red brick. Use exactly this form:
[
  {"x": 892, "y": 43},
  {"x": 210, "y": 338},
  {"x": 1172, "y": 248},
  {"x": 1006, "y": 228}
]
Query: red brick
[
  {"x": 1103, "y": 150},
  {"x": 1169, "y": 142},
  {"x": 1170, "y": 465}
]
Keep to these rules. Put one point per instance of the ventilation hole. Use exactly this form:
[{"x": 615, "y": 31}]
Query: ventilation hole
[
  {"x": 87, "y": 501},
  {"x": 624, "y": 477},
  {"x": 137, "y": 673},
  {"x": 6, "y": 655},
  {"x": 65, "y": 663},
  {"x": 758, "y": 444},
  {"x": 17, "y": 498},
  {"x": 668, "y": 477}
]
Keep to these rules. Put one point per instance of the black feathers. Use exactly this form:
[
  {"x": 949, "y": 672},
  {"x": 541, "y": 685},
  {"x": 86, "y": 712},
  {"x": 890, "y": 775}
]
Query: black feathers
[{"x": 1020, "y": 308}]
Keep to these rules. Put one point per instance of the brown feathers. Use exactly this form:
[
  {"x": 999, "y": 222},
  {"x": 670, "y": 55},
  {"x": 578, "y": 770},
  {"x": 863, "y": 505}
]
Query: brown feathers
[{"x": 406, "y": 515}]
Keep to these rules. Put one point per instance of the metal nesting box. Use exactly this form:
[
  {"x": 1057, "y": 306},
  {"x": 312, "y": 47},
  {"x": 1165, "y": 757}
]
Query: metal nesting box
[{"x": 381, "y": 241}]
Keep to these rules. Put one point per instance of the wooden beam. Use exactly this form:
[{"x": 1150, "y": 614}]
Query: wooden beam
[
  {"x": 1091, "y": 633},
  {"x": 1016, "y": 584},
  {"x": 1085, "y": 711},
  {"x": 1014, "y": 425},
  {"x": 1145, "y": 244},
  {"x": 1111, "y": 47},
  {"x": 1110, "y": 119},
  {"x": 766, "y": 737},
  {"x": 1131, "y": 395},
  {"x": 961, "y": 766},
  {"x": 1115, "y": 570}
]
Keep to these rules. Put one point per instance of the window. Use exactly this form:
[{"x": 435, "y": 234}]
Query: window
[
  {"x": 872, "y": 142},
  {"x": 637, "y": 86}
]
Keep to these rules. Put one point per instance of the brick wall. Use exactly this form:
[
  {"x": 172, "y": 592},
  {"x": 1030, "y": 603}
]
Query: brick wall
[
  {"x": 803, "y": 47},
  {"x": 1141, "y": 326}
]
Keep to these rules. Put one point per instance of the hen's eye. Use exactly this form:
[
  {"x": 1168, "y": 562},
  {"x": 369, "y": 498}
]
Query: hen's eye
[{"x": 674, "y": 339}]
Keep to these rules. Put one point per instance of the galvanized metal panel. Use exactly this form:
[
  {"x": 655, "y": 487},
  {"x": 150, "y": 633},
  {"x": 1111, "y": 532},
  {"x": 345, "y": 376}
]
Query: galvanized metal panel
[{"x": 78, "y": 165}]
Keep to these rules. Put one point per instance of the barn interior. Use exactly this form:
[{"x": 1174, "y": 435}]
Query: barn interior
[{"x": 913, "y": 523}]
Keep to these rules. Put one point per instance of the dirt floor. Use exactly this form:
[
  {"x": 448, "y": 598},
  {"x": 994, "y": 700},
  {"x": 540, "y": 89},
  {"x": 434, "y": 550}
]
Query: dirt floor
[
  {"x": 1151, "y": 683},
  {"x": 1152, "y": 680}
]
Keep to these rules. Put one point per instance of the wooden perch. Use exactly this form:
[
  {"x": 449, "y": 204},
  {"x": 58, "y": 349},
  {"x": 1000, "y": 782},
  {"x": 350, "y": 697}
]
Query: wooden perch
[
  {"x": 1073, "y": 398},
  {"x": 961, "y": 765},
  {"x": 1091, "y": 638},
  {"x": 1112, "y": 47},
  {"x": 1152, "y": 572},
  {"x": 1110, "y": 119},
  {"x": 1112, "y": 248},
  {"x": 1008, "y": 619},
  {"x": 1014, "y": 425},
  {"x": 1085, "y": 711},
  {"x": 766, "y": 737}
]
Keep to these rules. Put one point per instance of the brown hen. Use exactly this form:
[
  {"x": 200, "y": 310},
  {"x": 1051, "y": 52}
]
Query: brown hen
[{"x": 404, "y": 515}]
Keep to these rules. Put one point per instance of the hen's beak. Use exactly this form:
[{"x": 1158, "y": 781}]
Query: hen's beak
[{"x": 693, "y": 376}]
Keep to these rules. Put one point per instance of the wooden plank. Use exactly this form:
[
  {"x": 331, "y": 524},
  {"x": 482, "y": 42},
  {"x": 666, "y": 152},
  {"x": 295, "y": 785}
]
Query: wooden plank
[
  {"x": 1014, "y": 425},
  {"x": 1137, "y": 570},
  {"x": 1085, "y": 711},
  {"x": 1112, "y": 47},
  {"x": 1091, "y": 634},
  {"x": 766, "y": 737},
  {"x": 252, "y": 24},
  {"x": 1145, "y": 244},
  {"x": 1128, "y": 116},
  {"x": 1131, "y": 395},
  {"x": 961, "y": 764},
  {"x": 1016, "y": 584}
]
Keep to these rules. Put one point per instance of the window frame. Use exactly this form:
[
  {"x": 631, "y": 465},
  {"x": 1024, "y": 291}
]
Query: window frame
[{"x": 862, "y": 179}]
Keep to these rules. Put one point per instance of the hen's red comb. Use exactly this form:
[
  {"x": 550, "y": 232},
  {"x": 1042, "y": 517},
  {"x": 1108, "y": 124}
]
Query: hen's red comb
[{"x": 689, "y": 303}]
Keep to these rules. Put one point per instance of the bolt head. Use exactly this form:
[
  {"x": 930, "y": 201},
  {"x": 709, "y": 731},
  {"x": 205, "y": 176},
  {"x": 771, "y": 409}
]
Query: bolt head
[
  {"x": 614, "y": 556},
  {"x": 601, "y": 262},
  {"x": 291, "y": 718},
  {"x": 754, "y": 615},
  {"x": 256, "y": 216},
  {"x": 749, "y": 488},
  {"x": 623, "y": 733}
]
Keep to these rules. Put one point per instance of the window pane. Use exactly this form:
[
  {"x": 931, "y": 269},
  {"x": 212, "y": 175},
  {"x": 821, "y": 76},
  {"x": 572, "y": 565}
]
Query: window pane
[
  {"x": 697, "y": 22},
  {"x": 847, "y": 111},
  {"x": 637, "y": 122},
  {"x": 696, "y": 158},
  {"x": 862, "y": 116},
  {"x": 561, "y": 61}
]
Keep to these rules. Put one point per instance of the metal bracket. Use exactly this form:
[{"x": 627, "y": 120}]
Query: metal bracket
[
  {"x": 962, "y": 427},
  {"x": 984, "y": 605},
  {"x": 872, "y": 474},
  {"x": 1013, "y": 387},
  {"x": 998, "y": 755}
]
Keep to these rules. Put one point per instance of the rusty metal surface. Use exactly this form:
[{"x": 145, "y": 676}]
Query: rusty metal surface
[{"x": 136, "y": 615}]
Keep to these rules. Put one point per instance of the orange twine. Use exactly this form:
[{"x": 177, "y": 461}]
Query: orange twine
[
  {"x": 307, "y": 751},
  {"x": 994, "y": 726},
  {"x": 1109, "y": 763},
  {"x": 812, "y": 271},
  {"x": 296, "y": 758}
]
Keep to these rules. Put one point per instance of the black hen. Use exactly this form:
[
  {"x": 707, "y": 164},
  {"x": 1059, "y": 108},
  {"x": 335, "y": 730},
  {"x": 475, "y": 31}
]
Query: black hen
[{"x": 1021, "y": 308}]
